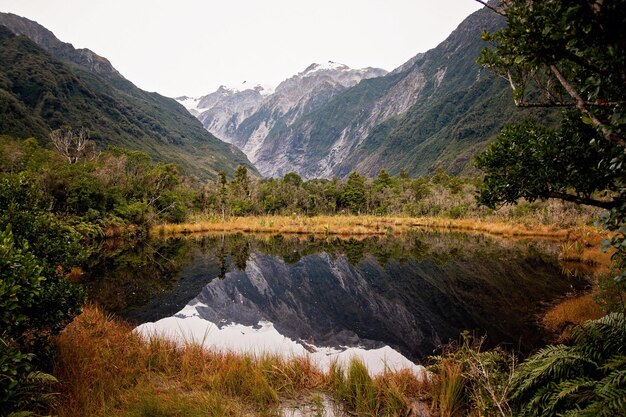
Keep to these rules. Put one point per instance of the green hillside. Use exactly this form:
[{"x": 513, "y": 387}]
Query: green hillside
[{"x": 39, "y": 93}]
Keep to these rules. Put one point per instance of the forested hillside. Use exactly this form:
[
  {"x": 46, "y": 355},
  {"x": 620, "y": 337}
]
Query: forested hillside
[{"x": 40, "y": 92}]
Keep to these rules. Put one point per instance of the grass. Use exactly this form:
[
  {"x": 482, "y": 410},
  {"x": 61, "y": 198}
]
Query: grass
[
  {"x": 105, "y": 369},
  {"x": 361, "y": 225},
  {"x": 571, "y": 312},
  {"x": 449, "y": 389}
]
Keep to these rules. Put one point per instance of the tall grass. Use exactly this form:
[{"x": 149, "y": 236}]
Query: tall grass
[
  {"x": 105, "y": 369},
  {"x": 471, "y": 382},
  {"x": 392, "y": 393},
  {"x": 449, "y": 389}
]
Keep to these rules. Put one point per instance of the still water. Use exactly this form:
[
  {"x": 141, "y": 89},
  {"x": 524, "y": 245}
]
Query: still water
[{"x": 392, "y": 301}]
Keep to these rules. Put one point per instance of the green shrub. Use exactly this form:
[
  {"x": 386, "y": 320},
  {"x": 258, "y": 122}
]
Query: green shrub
[
  {"x": 20, "y": 283},
  {"x": 456, "y": 212}
]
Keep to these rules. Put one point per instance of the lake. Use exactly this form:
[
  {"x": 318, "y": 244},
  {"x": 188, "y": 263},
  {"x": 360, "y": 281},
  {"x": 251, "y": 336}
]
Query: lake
[{"x": 391, "y": 300}]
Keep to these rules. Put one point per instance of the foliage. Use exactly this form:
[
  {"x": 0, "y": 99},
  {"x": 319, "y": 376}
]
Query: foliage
[
  {"x": 20, "y": 282},
  {"x": 27, "y": 288},
  {"x": 531, "y": 161},
  {"x": 571, "y": 55},
  {"x": 587, "y": 378},
  {"x": 22, "y": 390},
  {"x": 116, "y": 184},
  {"x": 47, "y": 249},
  {"x": 15, "y": 366}
]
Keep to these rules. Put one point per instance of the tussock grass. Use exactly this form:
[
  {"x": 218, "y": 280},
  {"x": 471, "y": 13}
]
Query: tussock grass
[
  {"x": 583, "y": 245},
  {"x": 390, "y": 394},
  {"x": 105, "y": 369},
  {"x": 449, "y": 389},
  {"x": 571, "y": 312},
  {"x": 358, "y": 225}
]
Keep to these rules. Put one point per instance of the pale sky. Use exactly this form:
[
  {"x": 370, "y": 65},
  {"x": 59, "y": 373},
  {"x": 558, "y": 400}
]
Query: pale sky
[{"x": 191, "y": 47}]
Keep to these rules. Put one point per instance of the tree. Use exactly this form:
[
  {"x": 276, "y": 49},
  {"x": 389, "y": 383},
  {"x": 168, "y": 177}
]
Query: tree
[
  {"x": 293, "y": 179},
  {"x": 353, "y": 195},
  {"x": 241, "y": 183},
  {"x": 73, "y": 146},
  {"x": 383, "y": 180},
  {"x": 223, "y": 192},
  {"x": 241, "y": 203},
  {"x": 531, "y": 161},
  {"x": 571, "y": 55},
  {"x": 565, "y": 54}
]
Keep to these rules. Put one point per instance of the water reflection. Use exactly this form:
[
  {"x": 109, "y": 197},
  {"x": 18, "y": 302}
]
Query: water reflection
[{"x": 409, "y": 294}]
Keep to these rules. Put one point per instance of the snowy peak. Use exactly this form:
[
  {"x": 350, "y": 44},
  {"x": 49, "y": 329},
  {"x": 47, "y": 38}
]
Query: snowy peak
[
  {"x": 245, "y": 114},
  {"x": 328, "y": 66},
  {"x": 337, "y": 69},
  {"x": 264, "y": 90}
]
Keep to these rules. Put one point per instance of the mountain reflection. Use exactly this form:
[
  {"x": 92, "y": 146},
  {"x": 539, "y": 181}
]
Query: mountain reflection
[{"x": 411, "y": 293}]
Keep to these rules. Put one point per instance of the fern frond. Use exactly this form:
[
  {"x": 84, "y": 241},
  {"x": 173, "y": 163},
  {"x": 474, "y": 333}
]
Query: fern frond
[
  {"x": 586, "y": 379},
  {"x": 38, "y": 377}
]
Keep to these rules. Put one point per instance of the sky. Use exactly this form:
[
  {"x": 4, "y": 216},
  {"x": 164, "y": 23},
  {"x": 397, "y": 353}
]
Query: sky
[{"x": 191, "y": 47}]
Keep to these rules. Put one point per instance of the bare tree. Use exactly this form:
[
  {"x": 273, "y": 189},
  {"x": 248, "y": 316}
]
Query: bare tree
[{"x": 73, "y": 146}]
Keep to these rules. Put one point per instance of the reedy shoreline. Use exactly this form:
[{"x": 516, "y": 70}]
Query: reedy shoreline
[{"x": 362, "y": 225}]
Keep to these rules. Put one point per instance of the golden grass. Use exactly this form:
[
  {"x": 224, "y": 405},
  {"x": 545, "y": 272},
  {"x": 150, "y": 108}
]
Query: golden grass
[
  {"x": 105, "y": 369},
  {"x": 449, "y": 389},
  {"x": 357, "y": 225},
  {"x": 583, "y": 245},
  {"x": 571, "y": 312}
]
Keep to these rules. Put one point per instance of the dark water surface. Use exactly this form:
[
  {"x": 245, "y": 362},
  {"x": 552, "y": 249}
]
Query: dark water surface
[{"x": 411, "y": 293}]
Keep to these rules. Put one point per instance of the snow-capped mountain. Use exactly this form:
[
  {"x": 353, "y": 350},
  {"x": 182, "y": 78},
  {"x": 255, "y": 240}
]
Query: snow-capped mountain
[
  {"x": 244, "y": 116},
  {"x": 438, "y": 109}
]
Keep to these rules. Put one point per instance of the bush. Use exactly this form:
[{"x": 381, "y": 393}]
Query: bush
[
  {"x": 20, "y": 283},
  {"x": 14, "y": 370}
]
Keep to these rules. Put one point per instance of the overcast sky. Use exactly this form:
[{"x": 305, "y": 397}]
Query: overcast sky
[{"x": 191, "y": 47}]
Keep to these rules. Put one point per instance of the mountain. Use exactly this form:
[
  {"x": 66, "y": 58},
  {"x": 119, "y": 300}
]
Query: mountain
[
  {"x": 46, "y": 84},
  {"x": 438, "y": 109},
  {"x": 222, "y": 111},
  {"x": 245, "y": 117}
]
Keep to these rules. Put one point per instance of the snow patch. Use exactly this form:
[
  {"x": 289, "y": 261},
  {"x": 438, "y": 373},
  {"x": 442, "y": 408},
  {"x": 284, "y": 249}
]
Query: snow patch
[
  {"x": 328, "y": 66},
  {"x": 263, "y": 89},
  {"x": 190, "y": 103}
]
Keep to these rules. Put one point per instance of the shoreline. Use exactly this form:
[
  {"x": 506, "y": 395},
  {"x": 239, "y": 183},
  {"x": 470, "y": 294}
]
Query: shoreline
[{"x": 367, "y": 225}]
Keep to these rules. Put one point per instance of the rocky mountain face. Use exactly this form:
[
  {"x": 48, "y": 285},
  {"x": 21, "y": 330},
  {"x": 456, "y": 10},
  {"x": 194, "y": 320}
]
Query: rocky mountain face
[
  {"x": 46, "y": 84},
  {"x": 246, "y": 117},
  {"x": 437, "y": 109},
  {"x": 409, "y": 119}
]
